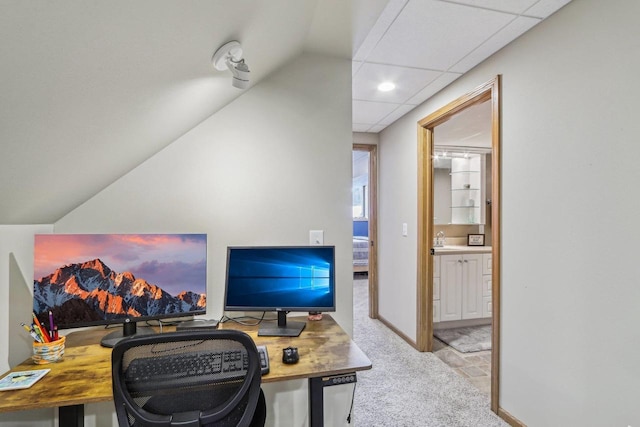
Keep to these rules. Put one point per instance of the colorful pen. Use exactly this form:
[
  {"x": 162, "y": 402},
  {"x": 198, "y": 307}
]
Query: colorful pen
[
  {"x": 40, "y": 329},
  {"x": 35, "y": 336},
  {"x": 37, "y": 332},
  {"x": 51, "y": 325},
  {"x": 31, "y": 332}
]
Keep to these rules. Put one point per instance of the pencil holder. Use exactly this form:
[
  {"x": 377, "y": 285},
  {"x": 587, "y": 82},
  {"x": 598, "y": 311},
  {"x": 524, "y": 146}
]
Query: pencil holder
[{"x": 48, "y": 352}]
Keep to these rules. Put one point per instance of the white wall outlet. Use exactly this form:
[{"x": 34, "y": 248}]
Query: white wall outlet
[
  {"x": 316, "y": 237},
  {"x": 405, "y": 229}
]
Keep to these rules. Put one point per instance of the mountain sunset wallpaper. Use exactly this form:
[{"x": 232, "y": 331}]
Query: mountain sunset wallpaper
[{"x": 88, "y": 279}]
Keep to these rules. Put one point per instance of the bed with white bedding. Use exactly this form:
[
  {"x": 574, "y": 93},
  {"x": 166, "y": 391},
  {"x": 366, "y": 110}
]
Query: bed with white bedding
[{"x": 360, "y": 254}]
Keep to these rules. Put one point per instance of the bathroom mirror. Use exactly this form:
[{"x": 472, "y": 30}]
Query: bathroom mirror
[{"x": 461, "y": 167}]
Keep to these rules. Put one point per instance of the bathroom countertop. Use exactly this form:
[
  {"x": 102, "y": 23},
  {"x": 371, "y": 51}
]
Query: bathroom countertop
[{"x": 460, "y": 249}]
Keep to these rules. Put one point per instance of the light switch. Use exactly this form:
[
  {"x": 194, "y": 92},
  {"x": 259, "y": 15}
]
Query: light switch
[
  {"x": 316, "y": 237},
  {"x": 405, "y": 231}
]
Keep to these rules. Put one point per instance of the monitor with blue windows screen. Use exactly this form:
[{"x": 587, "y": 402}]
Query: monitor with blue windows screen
[{"x": 281, "y": 279}]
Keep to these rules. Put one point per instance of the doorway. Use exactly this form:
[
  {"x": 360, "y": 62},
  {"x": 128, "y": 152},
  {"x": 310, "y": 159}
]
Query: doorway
[
  {"x": 365, "y": 219},
  {"x": 486, "y": 93}
]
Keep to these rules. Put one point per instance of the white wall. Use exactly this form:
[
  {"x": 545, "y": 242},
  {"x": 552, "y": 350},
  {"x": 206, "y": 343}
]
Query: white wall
[
  {"x": 16, "y": 304},
  {"x": 16, "y": 290},
  {"x": 264, "y": 170},
  {"x": 366, "y": 138},
  {"x": 570, "y": 297},
  {"x": 397, "y": 204}
]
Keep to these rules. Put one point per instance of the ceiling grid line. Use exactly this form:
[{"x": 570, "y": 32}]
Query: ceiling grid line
[
  {"x": 493, "y": 9},
  {"x": 422, "y": 46}
]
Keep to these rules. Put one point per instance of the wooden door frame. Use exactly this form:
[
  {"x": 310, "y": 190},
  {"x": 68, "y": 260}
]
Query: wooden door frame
[
  {"x": 373, "y": 226},
  {"x": 489, "y": 91}
]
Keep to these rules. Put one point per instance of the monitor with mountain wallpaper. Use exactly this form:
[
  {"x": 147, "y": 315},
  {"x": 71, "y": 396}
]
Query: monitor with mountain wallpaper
[{"x": 103, "y": 279}]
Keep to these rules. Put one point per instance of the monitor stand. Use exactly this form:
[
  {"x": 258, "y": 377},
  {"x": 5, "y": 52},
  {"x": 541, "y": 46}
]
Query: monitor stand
[
  {"x": 282, "y": 329},
  {"x": 129, "y": 329}
]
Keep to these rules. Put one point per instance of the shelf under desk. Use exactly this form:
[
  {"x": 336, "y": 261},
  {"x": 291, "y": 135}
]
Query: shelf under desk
[{"x": 84, "y": 374}]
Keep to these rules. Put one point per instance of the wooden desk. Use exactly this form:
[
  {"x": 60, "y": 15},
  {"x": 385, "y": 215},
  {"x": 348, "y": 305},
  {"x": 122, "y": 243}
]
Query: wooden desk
[{"x": 84, "y": 375}]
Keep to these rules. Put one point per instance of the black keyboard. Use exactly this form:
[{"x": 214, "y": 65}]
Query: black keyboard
[{"x": 192, "y": 368}]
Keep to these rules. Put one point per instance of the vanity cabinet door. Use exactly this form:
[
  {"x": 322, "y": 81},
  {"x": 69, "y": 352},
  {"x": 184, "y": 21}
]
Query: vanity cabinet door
[
  {"x": 461, "y": 287},
  {"x": 450, "y": 287},
  {"x": 436, "y": 288},
  {"x": 487, "y": 266},
  {"x": 486, "y": 285},
  {"x": 472, "y": 286},
  {"x": 487, "y": 307}
]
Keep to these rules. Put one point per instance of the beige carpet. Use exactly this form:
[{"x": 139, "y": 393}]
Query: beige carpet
[{"x": 406, "y": 387}]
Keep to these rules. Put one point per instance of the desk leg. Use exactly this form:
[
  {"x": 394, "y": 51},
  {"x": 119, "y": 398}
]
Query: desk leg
[
  {"x": 72, "y": 416},
  {"x": 316, "y": 402}
]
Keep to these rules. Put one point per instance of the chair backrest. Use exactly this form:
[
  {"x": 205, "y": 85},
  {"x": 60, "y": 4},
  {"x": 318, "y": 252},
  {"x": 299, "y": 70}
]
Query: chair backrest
[{"x": 188, "y": 378}]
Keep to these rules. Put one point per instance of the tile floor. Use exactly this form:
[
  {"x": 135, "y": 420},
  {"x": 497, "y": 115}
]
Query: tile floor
[{"x": 475, "y": 367}]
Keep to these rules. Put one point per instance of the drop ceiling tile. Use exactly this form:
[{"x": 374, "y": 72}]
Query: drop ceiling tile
[
  {"x": 386, "y": 18},
  {"x": 434, "y": 87},
  {"x": 371, "y": 112},
  {"x": 365, "y": 14},
  {"x": 511, "y": 6},
  {"x": 544, "y": 8},
  {"x": 440, "y": 34},
  {"x": 359, "y": 127},
  {"x": 499, "y": 40},
  {"x": 408, "y": 81},
  {"x": 377, "y": 128},
  {"x": 396, "y": 114}
]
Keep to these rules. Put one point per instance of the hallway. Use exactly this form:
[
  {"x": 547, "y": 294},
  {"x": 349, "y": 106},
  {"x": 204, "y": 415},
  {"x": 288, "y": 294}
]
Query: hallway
[{"x": 406, "y": 387}]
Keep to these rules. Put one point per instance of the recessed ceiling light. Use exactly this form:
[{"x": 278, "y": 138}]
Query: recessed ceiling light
[{"x": 386, "y": 86}]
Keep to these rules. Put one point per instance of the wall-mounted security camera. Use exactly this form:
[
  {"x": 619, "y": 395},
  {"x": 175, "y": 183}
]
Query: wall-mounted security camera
[{"x": 229, "y": 57}]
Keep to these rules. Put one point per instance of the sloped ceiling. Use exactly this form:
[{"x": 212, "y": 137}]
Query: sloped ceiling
[{"x": 91, "y": 89}]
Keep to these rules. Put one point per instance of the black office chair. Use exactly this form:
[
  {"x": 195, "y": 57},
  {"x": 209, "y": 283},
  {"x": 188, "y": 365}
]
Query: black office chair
[{"x": 153, "y": 384}]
